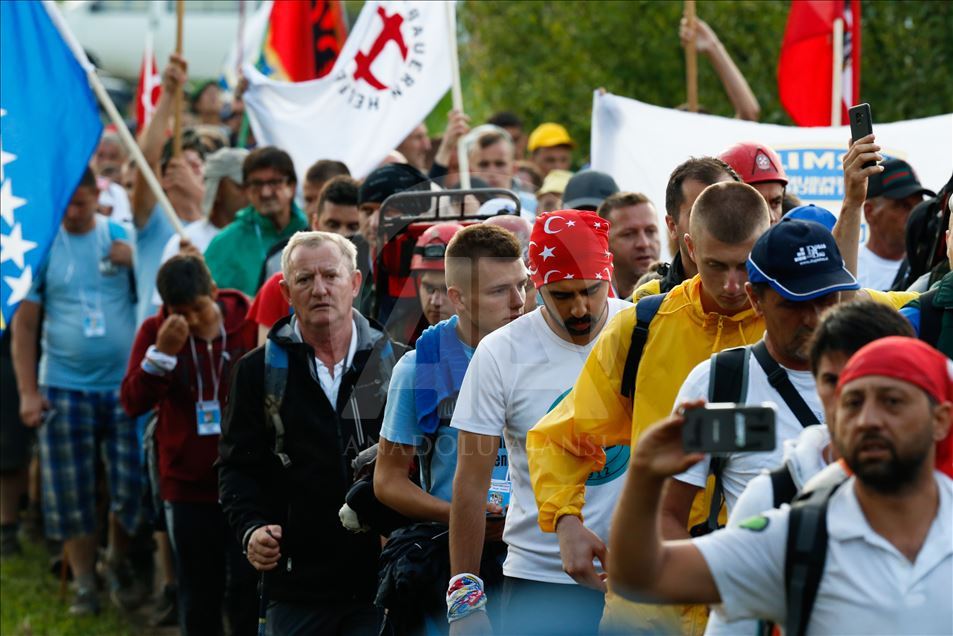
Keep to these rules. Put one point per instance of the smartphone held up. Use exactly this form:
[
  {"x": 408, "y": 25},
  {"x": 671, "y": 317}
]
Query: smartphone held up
[{"x": 723, "y": 428}]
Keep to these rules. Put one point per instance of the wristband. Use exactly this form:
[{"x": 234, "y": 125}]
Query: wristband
[
  {"x": 465, "y": 596},
  {"x": 156, "y": 360}
]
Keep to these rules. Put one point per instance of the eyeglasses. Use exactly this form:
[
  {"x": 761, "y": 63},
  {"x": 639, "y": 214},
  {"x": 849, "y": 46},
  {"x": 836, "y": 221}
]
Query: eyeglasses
[{"x": 257, "y": 185}]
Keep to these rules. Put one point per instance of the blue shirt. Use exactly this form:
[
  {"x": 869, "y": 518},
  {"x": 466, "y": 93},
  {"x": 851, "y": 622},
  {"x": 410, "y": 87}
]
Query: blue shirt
[
  {"x": 70, "y": 286},
  {"x": 400, "y": 426},
  {"x": 150, "y": 243}
]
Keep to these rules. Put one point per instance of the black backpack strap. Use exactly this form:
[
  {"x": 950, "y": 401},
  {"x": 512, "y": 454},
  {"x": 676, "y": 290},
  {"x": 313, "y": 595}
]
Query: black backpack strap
[
  {"x": 783, "y": 486},
  {"x": 645, "y": 310},
  {"x": 780, "y": 382},
  {"x": 804, "y": 558},
  {"x": 931, "y": 319},
  {"x": 727, "y": 382}
]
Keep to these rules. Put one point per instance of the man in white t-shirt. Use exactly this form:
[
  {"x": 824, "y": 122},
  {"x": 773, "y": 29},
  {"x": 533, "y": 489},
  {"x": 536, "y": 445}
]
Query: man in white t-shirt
[
  {"x": 891, "y": 195},
  {"x": 795, "y": 272},
  {"x": 517, "y": 374},
  {"x": 888, "y": 563}
]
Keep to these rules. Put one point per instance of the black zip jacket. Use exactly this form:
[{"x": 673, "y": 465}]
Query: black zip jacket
[{"x": 320, "y": 560}]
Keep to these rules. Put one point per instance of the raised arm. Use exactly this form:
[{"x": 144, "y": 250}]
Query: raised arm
[
  {"x": 641, "y": 566},
  {"x": 736, "y": 86},
  {"x": 847, "y": 229},
  {"x": 154, "y": 137}
]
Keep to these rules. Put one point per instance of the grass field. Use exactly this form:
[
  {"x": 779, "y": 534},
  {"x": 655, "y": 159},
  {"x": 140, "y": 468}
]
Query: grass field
[{"x": 30, "y": 603}]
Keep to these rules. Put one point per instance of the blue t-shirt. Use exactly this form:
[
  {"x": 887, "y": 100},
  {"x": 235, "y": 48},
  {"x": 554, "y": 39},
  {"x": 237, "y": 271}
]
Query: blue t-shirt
[
  {"x": 150, "y": 242},
  {"x": 75, "y": 293},
  {"x": 400, "y": 426}
]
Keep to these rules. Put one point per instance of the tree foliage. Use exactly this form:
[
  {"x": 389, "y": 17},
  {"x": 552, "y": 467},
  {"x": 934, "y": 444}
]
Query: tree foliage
[{"x": 543, "y": 60}]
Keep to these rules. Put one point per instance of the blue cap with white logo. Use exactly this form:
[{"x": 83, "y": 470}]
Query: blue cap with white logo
[
  {"x": 800, "y": 260},
  {"x": 814, "y": 213}
]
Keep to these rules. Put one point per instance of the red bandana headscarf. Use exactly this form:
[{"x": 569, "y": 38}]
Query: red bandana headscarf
[
  {"x": 913, "y": 361},
  {"x": 569, "y": 245}
]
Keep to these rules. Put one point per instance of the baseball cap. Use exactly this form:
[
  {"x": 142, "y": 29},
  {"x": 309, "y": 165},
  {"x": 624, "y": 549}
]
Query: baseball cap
[
  {"x": 812, "y": 213},
  {"x": 755, "y": 162},
  {"x": 897, "y": 181},
  {"x": 226, "y": 162},
  {"x": 800, "y": 260},
  {"x": 387, "y": 180},
  {"x": 548, "y": 135},
  {"x": 555, "y": 182},
  {"x": 588, "y": 188}
]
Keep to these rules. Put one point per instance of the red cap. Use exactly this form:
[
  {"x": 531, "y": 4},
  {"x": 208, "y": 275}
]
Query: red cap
[
  {"x": 569, "y": 245},
  {"x": 431, "y": 247},
  {"x": 755, "y": 163},
  {"x": 912, "y": 361}
]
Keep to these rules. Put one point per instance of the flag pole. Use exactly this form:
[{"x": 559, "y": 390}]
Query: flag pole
[
  {"x": 691, "y": 59},
  {"x": 121, "y": 129},
  {"x": 837, "y": 76},
  {"x": 177, "y": 110},
  {"x": 457, "y": 93}
]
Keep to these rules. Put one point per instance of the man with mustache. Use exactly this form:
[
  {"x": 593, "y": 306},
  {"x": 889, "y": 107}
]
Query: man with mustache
[
  {"x": 517, "y": 374},
  {"x": 795, "y": 272},
  {"x": 887, "y": 564}
]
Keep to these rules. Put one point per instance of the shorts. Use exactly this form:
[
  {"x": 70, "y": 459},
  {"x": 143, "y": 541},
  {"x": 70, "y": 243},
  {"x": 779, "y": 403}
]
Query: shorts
[
  {"x": 16, "y": 440},
  {"x": 87, "y": 423}
]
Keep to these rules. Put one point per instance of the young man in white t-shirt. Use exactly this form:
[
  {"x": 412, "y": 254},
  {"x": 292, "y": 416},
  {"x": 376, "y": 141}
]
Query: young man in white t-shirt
[
  {"x": 888, "y": 563},
  {"x": 517, "y": 374},
  {"x": 795, "y": 272}
]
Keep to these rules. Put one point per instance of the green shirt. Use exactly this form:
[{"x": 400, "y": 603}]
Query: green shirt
[{"x": 236, "y": 255}]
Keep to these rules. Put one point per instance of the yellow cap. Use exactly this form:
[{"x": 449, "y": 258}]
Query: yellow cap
[
  {"x": 555, "y": 182},
  {"x": 548, "y": 135}
]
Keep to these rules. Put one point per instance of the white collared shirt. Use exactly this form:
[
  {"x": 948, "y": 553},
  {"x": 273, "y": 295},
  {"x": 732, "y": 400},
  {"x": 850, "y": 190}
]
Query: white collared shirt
[
  {"x": 868, "y": 586},
  {"x": 330, "y": 379}
]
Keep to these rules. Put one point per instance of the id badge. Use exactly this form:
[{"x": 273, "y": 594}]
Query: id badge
[
  {"x": 208, "y": 414},
  {"x": 94, "y": 323},
  {"x": 499, "y": 493}
]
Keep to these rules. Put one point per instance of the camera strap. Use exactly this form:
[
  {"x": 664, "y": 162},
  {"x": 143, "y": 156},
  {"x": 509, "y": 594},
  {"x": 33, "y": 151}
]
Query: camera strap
[{"x": 780, "y": 382}]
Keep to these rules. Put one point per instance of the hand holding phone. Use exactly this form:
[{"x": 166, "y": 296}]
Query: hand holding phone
[
  {"x": 724, "y": 428},
  {"x": 861, "y": 125}
]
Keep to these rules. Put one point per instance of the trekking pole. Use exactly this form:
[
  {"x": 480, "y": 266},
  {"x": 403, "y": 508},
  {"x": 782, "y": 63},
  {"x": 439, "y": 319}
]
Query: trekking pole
[{"x": 262, "y": 605}]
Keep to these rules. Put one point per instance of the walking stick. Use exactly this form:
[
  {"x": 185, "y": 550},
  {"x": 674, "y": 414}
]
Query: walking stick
[{"x": 262, "y": 605}]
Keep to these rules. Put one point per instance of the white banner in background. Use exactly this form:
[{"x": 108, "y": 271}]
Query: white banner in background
[
  {"x": 639, "y": 145},
  {"x": 392, "y": 71}
]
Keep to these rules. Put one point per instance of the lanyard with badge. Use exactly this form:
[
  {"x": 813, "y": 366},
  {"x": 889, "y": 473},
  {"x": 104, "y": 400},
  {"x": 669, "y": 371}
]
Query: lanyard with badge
[
  {"x": 500, "y": 484},
  {"x": 208, "y": 413},
  {"x": 94, "y": 319}
]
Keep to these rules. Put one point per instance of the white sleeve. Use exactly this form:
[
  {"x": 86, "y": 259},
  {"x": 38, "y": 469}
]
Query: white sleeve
[
  {"x": 758, "y": 496},
  {"x": 695, "y": 387},
  {"x": 481, "y": 404},
  {"x": 747, "y": 564}
]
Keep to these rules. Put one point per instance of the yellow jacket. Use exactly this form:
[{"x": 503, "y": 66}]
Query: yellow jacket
[{"x": 566, "y": 445}]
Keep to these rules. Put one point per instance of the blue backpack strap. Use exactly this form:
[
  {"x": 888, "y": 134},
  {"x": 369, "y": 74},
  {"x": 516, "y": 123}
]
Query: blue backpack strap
[
  {"x": 804, "y": 557},
  {"x": 931, "y": 319},
  {"x": 645, "y": 310},
  {"x": 276, "y": 378}
]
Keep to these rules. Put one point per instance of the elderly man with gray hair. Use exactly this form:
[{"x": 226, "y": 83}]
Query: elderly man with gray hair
[{"x": 300, "y": 409}]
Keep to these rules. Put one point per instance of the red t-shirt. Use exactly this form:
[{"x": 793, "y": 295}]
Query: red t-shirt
[{"x": 269, "y": 305}]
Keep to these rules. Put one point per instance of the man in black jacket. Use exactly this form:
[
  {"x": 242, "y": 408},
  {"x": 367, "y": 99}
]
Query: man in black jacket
[{"x": 284, "y": 471}]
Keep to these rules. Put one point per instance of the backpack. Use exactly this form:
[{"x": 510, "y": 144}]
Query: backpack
[
  {"x": 728, "y": 382},
  {"x": 645, "y": 311},
  {"x": 931, "y": 319},
  {"x": 804, "y": 556}
]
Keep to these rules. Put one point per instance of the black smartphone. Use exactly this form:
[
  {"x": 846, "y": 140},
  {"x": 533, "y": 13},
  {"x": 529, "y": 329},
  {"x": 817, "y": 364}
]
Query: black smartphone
[
  {"x": 723, "y": 428},
  {"x": 861, "y": 124}
]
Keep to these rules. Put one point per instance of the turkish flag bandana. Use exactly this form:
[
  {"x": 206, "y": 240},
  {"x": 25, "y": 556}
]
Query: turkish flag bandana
[{"x": 569, "y": 245}]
